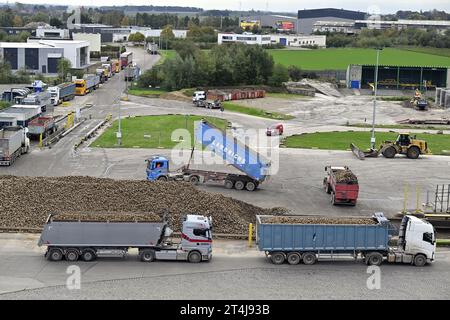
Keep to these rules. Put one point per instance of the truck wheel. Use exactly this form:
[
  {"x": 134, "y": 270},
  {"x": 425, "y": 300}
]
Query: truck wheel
[
  {"x": 162, "y": 178},
  {"x": 293, "y": 258},
  {"x": 389, "y": 152},
  {"x": 228, "y": 184},
  {"x": 374, "y": 259},
  {"x": 277, "y": 257},
  {"x": 413, "y": 153},
  {"x": 309, "y": 258},
  {"x": 250, "y": 186},
  {"x": 147, "y": 255},
  {"x": 88, "y": 255},
  {"x": 194, "y": 257},
  {"x": 54, "y": 254},
  {"x": 239, "y": 185},
  {"x": 72, "y": 255},
  {"x": 194, "y": 180},
  {"x": 420, "y": 260}
]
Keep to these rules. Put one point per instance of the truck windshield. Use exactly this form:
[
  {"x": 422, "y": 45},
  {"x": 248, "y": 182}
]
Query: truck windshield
[
  {"x": 79, "y": 85},
  {"x": 201, "y": 232}
]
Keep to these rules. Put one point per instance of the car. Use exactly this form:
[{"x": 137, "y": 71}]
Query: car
[{"x": 275, "y": 130}]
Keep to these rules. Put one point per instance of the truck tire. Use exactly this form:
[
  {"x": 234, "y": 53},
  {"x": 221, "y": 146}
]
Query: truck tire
[
  {"x": 147, "y": 255},
  {"x": 389, "y": 152},
  {"x": 374, "y": 259},
  {"x": 194, "y": 257},
  {"x": 420, "y": 260},
  {"x": 239, "y": 185},
  {"x": 277, "y": 257},
  {"x": 195, "y": 180},
  {"x": 309, "y": 258},
  {"x": 293, "y": 258},
  {"x": 413, "y": 153},
  {"x": 229, "y": 184},
  {"x": 55, "y": 254},
  {"x": 162, "y": 178},
  {"x": 88, "y": 255},
  {"x": 250, "y": 186},
  {"x": 72, "y": 255}
]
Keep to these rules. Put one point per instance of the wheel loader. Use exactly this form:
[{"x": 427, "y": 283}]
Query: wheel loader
[{"x": 404, "y": 144}]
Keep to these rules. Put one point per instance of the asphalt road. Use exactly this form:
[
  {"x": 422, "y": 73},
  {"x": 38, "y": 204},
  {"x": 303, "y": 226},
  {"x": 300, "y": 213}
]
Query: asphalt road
[{"x": 235, "y": 272}]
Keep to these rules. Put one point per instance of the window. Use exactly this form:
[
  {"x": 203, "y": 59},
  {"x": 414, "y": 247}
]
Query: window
[
  {"x": 428, "y": 237},
  {"x": 32, "y": 58},
  {"x": 10, "y": 56},
  {"x": 200, "y": 232}
]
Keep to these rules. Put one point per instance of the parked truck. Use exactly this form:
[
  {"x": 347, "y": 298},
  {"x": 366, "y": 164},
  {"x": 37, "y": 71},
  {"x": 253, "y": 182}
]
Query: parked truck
[
  {"x": 132, "y": 73},
  {"x": 87, "y": 84},
  {"x": 42, "y": 99},
  {"x": 126, "y": 59},
  {"x": 298, "y": 239},
  {"x": 101, "y": 74},
  {"x": 254, "y": 168},
  {"x": 62, "y": 92},
  {"x": 44, "y": 126},
  {"x": 342, "y": 184},
  {"x": 89, "y": 238},
  {"x": 13, "y": 143},
  {"x": 108, "y": 69}
]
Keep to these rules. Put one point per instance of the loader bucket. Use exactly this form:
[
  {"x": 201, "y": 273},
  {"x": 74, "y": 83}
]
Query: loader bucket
[{"x": 371, "y": 153}]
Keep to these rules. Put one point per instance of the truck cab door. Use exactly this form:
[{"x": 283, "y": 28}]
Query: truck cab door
[{"x": 157, "y": 168}]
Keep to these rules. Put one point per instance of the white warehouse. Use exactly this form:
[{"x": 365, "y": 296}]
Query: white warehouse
[{"x": 283, "y": 39}]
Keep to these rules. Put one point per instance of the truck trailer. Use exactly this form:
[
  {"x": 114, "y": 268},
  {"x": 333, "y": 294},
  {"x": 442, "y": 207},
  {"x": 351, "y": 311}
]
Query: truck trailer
[
  {"x": 342, "y": 185},
  {"x": 44, "y": 126},
  {"x": 254, "y": 168},
  {"x": 42, "y": 99},
  {"x": 62, "y": 92},
  {"x": 87, "y": 84},
  {"x": 88, "y": 238},
  {"x": 13, "y": 143},
  {"x": 304, "y": 239},
  {"x": 126, "y": 59}
]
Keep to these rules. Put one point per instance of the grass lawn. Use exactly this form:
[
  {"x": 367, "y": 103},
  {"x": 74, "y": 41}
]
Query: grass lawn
[
  {"x": 340, "y": 58},
  {"x": 228, "y": 106},
  {"x": 143, "y": 92},
  {"x": 151, "y": 131},
  {"x": 437, "y": 51},
  {"x": 341, "y": 140},
  {"x": 4, "y": 104},
  {"x": 402, "y": 126}
]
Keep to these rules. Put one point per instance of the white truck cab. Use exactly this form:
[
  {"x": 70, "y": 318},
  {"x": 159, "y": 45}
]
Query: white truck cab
[
  {"x": 417, "y": 242},
  {"x": 198, "y": 95}
]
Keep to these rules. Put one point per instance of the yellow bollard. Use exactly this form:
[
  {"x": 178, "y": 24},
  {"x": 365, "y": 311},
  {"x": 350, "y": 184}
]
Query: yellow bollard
[
  {"x": 250, "y": 234},
  {"x": 418, "y": 210},
  {"x": 405, "y": 202},
  {"x": 40, "y": 140}
]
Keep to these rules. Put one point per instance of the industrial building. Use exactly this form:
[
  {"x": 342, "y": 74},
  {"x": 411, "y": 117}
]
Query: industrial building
[
  {"x": 42, "y": 32},
  {"x": 94, "y": 40},
  {"x": 32, "y": 57},
  {"x": 18, "y": 30},
  {"x": 276, "y": 22},
  {"x": 307, "y": 18},
  {"x": 398, "y": 77},
  {"x": 289, "y": 40},
  {"x": 77, "y": 52},
  {"x": 346, "y": 27}
]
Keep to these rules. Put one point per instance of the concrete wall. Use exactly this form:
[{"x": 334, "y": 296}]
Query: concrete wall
[
  {"x": 94, "y": 40},
  {"x": 306, "y": 25}
]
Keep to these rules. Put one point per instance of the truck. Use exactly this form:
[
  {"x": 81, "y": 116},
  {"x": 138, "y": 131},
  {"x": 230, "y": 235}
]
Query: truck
[
  {"x": 254, "y": 168},
  {"x": 126, "y": 59},
  {"x": 198, "y": 96},
  {"x": 13, "y": 143},
  {"x": 116, "y": 65},
  {"x": 101, "y": 74},
  {"x": 62, "y": 92},
  {"x": 208, "y": 104},
  {"x": 87, "y": 237},
  {"x": 44, "y": 126},
  {"x": 342, "y": 184},
  {"x": 86, "y": 85},
  {"x": 132, "y": 73},
  {"x": 42, "y": 99},
  {"x": 308, "y": 239},
  {"x": 108, "y": 69}
]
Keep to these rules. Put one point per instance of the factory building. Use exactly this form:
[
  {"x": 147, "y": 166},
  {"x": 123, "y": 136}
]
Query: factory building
[
  {"x": 278, "y": 23},
  {"x": 288, "y": 40},
  {"x": 398, "y": 77},
  {"x": 54, "y": 33},
  {"x": 77, "y": 52},
  {"x": 307, "y": 18}
]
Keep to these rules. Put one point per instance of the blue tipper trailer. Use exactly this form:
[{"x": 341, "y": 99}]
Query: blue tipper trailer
[{"x": 301, "y": 238}]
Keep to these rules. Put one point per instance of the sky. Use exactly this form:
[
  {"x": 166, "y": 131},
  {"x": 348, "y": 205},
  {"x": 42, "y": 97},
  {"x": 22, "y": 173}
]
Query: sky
[{"x": 381, "y": 6}]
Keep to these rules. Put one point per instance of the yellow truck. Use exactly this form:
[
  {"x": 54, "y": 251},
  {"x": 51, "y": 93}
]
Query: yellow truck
[{"x": 86, "y": 85}]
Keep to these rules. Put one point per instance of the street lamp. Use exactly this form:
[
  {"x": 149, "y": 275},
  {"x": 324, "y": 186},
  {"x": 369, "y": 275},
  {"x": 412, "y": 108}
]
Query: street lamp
[{"x": 372, "y": 139}]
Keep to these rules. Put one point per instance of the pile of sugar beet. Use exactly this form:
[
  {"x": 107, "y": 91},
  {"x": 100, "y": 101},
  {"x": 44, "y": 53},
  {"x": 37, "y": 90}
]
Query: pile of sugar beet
[{"x": 26, "y": 202}]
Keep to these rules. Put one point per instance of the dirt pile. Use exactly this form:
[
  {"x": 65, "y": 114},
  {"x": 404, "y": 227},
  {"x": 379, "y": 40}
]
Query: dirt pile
[
  {"x": 316, "y": 220},
  {"x": 26, "y": 202},
  {"x": 345, "y": 176}
]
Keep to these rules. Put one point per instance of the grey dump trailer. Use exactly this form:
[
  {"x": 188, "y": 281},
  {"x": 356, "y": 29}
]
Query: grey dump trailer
[
  {"x": 86, "y": 237},
  {"x": 307, "y": 239},
  {"x": 13, "y": 143}
]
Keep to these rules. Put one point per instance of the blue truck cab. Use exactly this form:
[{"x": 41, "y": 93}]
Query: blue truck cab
[{"x": 157, "y": 168}]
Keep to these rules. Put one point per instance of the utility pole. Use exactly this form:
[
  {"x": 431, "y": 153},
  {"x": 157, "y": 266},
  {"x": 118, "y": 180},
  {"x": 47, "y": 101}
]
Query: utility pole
[
  {"x": 119, "y": 132},
  {"x": 372, "y": 139}
]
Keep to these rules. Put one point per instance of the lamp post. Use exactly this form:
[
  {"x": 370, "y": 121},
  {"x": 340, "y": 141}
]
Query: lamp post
[{"x": 372, "y": 139}]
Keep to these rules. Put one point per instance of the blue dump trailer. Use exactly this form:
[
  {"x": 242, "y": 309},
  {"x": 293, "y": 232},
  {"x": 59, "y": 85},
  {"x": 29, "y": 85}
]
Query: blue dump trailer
[
  {"x": 254, "y": 167},
  {"x": 306, "y": 239}
]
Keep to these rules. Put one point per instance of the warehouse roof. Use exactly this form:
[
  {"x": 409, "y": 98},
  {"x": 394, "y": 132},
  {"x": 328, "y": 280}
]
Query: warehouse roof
[
  {"x": 23, "y": 45},
  {"x": 331, "y": 12}
]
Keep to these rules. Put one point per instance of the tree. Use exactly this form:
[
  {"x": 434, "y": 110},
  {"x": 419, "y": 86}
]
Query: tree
[
  {"x": 137, "y": 37},
  {"x": 167, "y": 32},
  {"x": 280, "y": 75},
  {"x": 125, "y": 21},
  {"x": 295, "y": 73},
  {"x": 55, "y": 22},
  {"x": 63, "y": 68},
  {"x": 17, "y": 21}
]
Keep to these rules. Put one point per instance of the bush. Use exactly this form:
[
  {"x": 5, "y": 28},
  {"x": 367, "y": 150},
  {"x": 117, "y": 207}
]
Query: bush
[
  {"x": 280, "y": 75},
  {"x": 295, "y": 73}
]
